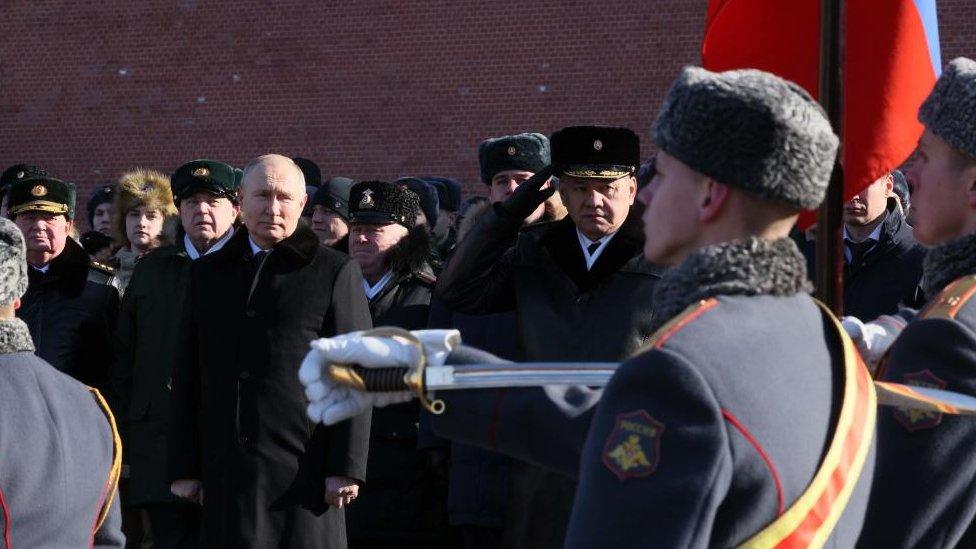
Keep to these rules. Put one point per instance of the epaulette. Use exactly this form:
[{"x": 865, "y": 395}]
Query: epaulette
[
  {"x": 101, "y": 267},
  {"x": 425, "y": 278},
  {"x": 673, "y": 326},
  {"x": 951, "y": 299}
]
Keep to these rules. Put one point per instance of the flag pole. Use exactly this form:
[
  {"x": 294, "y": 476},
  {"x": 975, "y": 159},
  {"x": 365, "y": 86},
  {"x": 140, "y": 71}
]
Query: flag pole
[{"x": 829, "y": 246}]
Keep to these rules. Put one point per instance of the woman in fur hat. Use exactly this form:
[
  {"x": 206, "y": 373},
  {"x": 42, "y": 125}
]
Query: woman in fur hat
[{"x": 143, "y": 218}]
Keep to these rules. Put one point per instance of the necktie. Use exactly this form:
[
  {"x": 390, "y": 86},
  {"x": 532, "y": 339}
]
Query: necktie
[
  {"x": 592, "y": 248},
  {"x": 859, "y": 250}
]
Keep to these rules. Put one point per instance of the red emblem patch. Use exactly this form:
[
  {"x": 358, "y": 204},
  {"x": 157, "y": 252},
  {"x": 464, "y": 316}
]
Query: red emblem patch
[
  {"x": 915, "y": 420},
  {"x": 634, "y": 446}
]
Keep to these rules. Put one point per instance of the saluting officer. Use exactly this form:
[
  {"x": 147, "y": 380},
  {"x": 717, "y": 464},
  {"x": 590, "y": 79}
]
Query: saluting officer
[
  {"x": 61, "y": 457},
  {"x": 72, "y": 302},
  {"x": 747, "y": 417},
  {"x": 924, "y": 493}
]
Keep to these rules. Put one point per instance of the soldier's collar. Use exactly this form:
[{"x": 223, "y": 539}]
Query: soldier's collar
[
  {"x": 947, "y": 262},
  {"x": 743, "y": 267},
  {"x": 15, "y": 337}
]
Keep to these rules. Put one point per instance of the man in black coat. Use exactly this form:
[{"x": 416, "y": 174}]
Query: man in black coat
[
  {"x": 403, "y": 503},
  {"x": 882, "y": 260},
  {"x": 72, "y": 302},
  {"x": 269, "y": 478},
  {"x": 148, "y": 345}
]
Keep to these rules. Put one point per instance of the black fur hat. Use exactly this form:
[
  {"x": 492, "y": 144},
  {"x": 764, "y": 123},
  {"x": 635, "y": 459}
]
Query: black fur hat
[{"x": 380, "y": 202}]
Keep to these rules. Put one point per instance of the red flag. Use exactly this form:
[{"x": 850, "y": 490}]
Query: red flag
[{"x": 891, "y": 61}]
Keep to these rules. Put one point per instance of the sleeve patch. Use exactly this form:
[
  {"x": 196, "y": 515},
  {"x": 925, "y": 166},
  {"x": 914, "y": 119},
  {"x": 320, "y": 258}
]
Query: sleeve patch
[
  {"x": 915, "y": 420},
  {"x": 634, "y": 446}
]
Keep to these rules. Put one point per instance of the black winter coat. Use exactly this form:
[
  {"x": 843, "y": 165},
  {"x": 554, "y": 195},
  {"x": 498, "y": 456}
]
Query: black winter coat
[
  {"x": 71, "y": 312},
  {"x": 147, "y": 347},
  {"x": 564, "y": 311},
  {"x": 239, "y": 409},
  {"x": 888, "y": 276},
  {"x": 404, "y": 500}
]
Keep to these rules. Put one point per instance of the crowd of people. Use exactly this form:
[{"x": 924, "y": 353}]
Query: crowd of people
[{"x": 157, "y": 386}]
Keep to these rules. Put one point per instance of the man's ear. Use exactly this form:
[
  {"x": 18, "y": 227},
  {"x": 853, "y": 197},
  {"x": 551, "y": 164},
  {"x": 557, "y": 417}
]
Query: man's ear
[{"x": 712, "y": 199}]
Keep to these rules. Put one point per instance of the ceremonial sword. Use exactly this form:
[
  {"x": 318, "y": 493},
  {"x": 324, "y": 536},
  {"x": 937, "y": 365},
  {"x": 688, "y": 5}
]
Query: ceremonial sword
[{"x": 425, "y": 379}]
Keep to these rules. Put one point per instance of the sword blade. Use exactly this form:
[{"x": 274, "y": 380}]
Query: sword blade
[
  {"x": 522, "y": 374},
  {"x": 924, "y": 398}
]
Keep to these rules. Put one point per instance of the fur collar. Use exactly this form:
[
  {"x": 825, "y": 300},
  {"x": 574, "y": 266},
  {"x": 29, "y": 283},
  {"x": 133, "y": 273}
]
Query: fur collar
[
  {"x": 412, "y": 252},
  {"x": 69, "y": 270},
  {"x": 744, "y": 267},
  {"x": 947, "y": 262},
  {"x": 14, "y": 337}
]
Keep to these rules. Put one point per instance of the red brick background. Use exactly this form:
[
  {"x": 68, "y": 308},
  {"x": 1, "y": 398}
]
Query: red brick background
[{"x": 371, "y": 89}]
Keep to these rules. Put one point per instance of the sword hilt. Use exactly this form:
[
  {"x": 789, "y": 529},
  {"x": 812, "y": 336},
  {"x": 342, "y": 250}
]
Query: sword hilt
[
  {"x": 385, "y": 380},
  {"x": 370, "y": 380}
]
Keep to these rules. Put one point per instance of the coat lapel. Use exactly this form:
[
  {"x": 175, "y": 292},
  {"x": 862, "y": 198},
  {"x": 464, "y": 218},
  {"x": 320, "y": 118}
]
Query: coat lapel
[
  {"x": 562, "y": 243},
  {"x": 628, "y": 242}
]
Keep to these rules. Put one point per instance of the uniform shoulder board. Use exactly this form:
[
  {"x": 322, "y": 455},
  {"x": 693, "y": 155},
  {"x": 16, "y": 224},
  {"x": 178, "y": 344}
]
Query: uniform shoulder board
[
  {"x": 102, "y": 268},
  {"x": 425, "y": 277},
  {"x": 673, "y": 326},
  {"x": 951, "y": 299}
]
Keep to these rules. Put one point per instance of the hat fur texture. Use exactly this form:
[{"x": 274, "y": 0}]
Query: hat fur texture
[
  {"x": 950, "y": 110},
  {"x": 142, "y": 187},
  {"x": 752, "y": 130},
  {"x": 13, "y": 263}
]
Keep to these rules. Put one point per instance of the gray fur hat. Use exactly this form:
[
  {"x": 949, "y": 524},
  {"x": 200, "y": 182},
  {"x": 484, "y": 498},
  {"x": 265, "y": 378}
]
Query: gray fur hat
[
  {"x": 950, "y": 110},
  {"x": 13, "y": 263},
  {"x": 752, "y": 130}
]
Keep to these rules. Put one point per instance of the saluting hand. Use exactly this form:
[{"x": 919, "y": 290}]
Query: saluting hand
[{"x": 530, "y": 193}]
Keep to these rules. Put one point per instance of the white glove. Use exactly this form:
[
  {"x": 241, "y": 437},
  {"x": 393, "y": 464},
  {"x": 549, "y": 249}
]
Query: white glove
[
  {"x": 331, "y": 403},
  {"x": 874, "y": 338}
]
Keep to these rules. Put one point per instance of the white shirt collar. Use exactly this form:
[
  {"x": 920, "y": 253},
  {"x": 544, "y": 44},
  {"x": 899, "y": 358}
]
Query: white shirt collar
[
  {"x": 585, "y": 244},
  {"x": 192, "y": 252},
  {"x": 43, "y": 268},
  {"x": 374, "y": 290},
  {"x": 254, "y": 247},
  {"x": 874, "y": 236}
]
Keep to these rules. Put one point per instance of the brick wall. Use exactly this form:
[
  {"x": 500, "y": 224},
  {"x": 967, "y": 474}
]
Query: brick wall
[{"x": 372, "y": 89}]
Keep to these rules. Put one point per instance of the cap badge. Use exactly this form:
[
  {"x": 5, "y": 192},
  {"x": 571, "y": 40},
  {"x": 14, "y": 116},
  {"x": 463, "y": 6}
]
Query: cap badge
[
  {"x": 20, "y": 175},
  {"x": 201, "y": 172},
  {"x": 512, "y": 150},
  {"x": 597, "y": 145},
  {"x": 367, "y": 201},
  {"x": 39, "y": 190}
]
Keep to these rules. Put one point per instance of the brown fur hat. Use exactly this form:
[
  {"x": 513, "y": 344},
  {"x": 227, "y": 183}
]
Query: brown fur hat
[{"x": 142, "y": 187}]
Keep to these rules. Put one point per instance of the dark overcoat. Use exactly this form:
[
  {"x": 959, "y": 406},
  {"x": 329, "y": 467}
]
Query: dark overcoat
[
  {"x": 147, "y": 346},
  {"x": 888, "y": 276},
  {"x": 71, "y": 311},
  {"x": 404, "y": 498},
  {"x": 565, "y": 312},
  {"x": 239, "y": 419}
]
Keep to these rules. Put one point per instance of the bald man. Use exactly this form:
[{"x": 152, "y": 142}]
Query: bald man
[{"x": 241, "y": 443}]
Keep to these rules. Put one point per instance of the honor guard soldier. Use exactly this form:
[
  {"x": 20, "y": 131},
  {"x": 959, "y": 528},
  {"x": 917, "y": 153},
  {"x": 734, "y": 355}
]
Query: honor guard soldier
[
  {"x": 747, "y": 418},
  {"x": 924, "y": 492},
  {"x": 61, "y": 454},
  {"x": 72, "y": 302}
]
